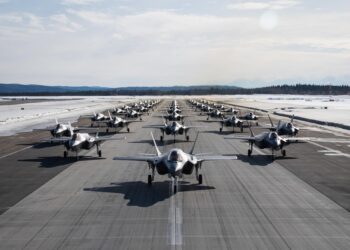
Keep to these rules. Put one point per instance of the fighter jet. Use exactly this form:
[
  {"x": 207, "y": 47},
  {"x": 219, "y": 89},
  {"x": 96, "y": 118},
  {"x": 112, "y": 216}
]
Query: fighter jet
[
  {"x": 275, "y": 142},
  {"x": 81, "y": 141},
  {"x": 96, "y": 117},
  {"x": 61, "y": 129},
  {"x": 116, "y": 122},
  {"x": 173, "y": 129},
  {"x": 233, "y": 122},
  {"x": 249, "y": 116},
  {"x": 284, "y": 128},
  {"x": 174, "y": 117},
  {"x": 215, "y": 113},
  {"x": 133, "y": 114},
  {"x": 175, "y": 163},
  {"x": 118, "y": 111}
]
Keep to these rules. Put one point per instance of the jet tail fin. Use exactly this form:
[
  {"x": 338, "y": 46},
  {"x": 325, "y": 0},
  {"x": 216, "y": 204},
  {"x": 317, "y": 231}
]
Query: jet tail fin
[
  {"x": 270, "y": 120},
  {"x": 194, "y": 144},
  {"x": 251, "y": 131},
  {"x": 155, "y": 145}
]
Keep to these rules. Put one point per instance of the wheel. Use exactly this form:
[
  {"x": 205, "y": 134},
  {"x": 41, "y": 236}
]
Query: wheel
[
  {"x": 207, "y": 118},
  {"x": 257, "y": 123},
  {"x": 107, "y": 130},
  {"x": 241, "y": 129},
  {"x": 128, "y": 129},
  {"x": 91, "y": 125},
  {"x": 200, "y": 179},
  {"x": 99, "y": 153},
  {"x": 284, "y": 153},
  {"x": 140, "y": 118},
  {"x": 161, "y": 138},
  {"x": 175, "y": 189},
  {"x": 149, "y": 180},
  {"x": 187, "y": 138},
  {"x": 65, "y": 154},
  {"x": 220, "y": 130},
  {"x": 249, "y": 152}
]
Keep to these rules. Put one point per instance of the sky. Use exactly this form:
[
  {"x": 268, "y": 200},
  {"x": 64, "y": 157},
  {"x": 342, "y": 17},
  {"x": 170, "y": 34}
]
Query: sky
[{"x": 174, "y": 42}]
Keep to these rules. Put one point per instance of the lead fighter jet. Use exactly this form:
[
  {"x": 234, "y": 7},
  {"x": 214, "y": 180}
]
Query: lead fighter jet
[{"x": 175, "y": 163}]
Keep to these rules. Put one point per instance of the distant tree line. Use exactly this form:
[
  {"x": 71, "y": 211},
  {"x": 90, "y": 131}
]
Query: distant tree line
[{"x": 297, "y": 89}]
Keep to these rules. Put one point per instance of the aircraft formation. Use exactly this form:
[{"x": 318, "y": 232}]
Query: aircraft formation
[{"x": 175, "y": 162}]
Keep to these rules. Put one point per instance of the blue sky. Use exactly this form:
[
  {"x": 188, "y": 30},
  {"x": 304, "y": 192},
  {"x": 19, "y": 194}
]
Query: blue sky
[{"x": 157, "y": 42}]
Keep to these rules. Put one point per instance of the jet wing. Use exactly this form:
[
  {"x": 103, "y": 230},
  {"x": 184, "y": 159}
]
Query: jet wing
[
  {"x": 148, "y": 158},
  {"x": 314, "y": 139},
  {"x": 154, "y": 126},
  {"x": 215, "y": 157},
  {"x": 60, "y": 139},
  {"x": 44, "y": 129},
  {"x": 244, "y": 138},
  {"x": 108, "y": 138}
]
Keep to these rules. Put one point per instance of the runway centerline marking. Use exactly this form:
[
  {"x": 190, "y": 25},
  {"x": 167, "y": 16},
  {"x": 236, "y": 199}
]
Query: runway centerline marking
[{"x": 175, "y": 217}]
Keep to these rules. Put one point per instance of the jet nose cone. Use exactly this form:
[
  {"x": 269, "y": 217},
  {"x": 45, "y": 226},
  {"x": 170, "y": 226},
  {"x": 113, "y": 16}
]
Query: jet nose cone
[
  {"x": 74, "y": 144},
  {"x": 175, "y": 167},
  {"x": 296, "y": 130}
]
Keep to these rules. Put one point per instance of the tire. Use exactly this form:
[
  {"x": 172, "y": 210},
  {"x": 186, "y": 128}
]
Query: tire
[
  {"x": 149, "y": 180},
  {"x": 65, "y": 154},
  {"x": 175, "y": 189},
  {"x": 257, "y": 123},
  {"x": 200, "y": 179},
  {"x": 284, "y": 153},
  {"x": 207, "y": 118},
  {"x": 187, "y": 138},
  {"x": 99, "y": 153},
  {"x": 128, "y": 129},
  {"x": 220, "y": 130},
  {"x": 107, "y": 130},
  {"x": 161, "y": 138},
  {"x": 241, "y": 129},
  {"x": 249, "y": 152}
]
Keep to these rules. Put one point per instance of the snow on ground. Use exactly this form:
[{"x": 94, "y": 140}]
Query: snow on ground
[
  {"x": 14, "y": 119},
  {"x": 324, "y": 108}
]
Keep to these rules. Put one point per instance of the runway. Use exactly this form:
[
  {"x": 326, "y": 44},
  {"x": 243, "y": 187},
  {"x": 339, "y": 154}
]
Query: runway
[{"x": 249, "y": 203}]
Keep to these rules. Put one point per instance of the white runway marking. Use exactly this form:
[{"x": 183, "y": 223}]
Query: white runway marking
[
  {"x": 175, "y": 217},
  {"x": 15, "y": 152},
  {"x": 329, "y": 151}
]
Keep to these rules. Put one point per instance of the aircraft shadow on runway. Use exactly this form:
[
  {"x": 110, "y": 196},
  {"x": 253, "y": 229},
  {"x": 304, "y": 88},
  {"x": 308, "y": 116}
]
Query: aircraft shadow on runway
[
  {"x": 141, "y": 195},
  {"x": 261, "y": 160},
  {"x": 56, "y": 161}
]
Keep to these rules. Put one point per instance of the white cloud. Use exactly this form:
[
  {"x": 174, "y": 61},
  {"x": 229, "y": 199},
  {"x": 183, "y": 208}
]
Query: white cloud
[
  {"x": 89, "y": 47},
  {"x": 63, "y": 23},
  {"x": 79, "y": 2},
  {"x": 272, "y": 5},
  {"x": 95, "y": 17}
]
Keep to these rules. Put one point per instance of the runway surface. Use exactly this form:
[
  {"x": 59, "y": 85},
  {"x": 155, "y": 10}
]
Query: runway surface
[{"x": 250, "y": 203}]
